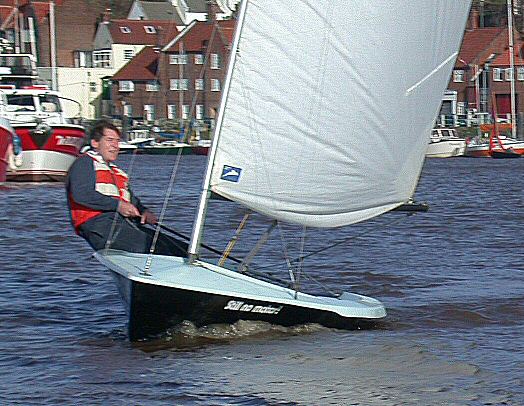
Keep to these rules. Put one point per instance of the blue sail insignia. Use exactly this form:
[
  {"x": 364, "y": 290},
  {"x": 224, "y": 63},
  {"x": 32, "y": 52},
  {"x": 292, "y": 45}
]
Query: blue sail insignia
[{"x": 230, "y": 173}]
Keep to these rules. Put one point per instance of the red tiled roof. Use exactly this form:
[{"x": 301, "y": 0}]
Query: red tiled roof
[
  {"x": 133, "y": 31},
  {"x": 476, "y": 42},
  {"x": 142, "y": 67},
  {"x": 202, "y": 31},
  {"x": 503, "y": 58}
]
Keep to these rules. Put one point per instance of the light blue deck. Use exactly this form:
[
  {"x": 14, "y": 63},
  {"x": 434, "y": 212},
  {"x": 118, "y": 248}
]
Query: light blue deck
[{"x": 204, "y": 277}]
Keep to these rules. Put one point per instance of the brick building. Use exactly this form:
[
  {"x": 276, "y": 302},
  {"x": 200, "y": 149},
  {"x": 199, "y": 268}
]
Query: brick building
[{"x": 181, "y": 81}]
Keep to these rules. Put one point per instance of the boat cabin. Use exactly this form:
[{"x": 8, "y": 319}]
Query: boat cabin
[
  {"x": 30, "y": 103},
  {"x": 439, "y": 133},
  {"x": 18, "y": 70}
]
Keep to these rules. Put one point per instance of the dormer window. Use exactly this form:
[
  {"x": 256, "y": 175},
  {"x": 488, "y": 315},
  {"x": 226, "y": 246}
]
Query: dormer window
[
  {"x": 125, "y": 30},
  {"x": 149, "y": 29}
]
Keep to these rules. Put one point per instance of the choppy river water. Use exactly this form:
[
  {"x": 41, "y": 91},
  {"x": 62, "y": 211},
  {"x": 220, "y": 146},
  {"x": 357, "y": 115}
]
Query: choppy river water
[{"x": 452, "y": 280}]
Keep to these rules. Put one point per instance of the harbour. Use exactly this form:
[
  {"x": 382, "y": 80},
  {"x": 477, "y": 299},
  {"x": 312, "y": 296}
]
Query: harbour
[{"x": 451, "y": 279}]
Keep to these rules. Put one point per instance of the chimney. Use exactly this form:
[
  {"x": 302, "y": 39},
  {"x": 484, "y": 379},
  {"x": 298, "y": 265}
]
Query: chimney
[
  {"x": 212, "y": 10},
  {"x": 107, "y": 15},
  {"x": 474, "y": 19}
]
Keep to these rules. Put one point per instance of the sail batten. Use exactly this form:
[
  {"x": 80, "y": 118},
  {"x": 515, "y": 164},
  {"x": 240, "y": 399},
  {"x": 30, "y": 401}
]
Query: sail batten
[{"x": 331, "y": 105}]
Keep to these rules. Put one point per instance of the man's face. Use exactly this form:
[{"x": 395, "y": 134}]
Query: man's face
[{"x": 108, "y": 145}]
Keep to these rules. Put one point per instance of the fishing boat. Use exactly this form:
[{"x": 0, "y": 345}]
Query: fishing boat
[
  {"x": 445, "y": 143},
  {"x": 49, "y": 142},
  {"x": 6, "y": 147},
  {"x": 282, "y": 95}
]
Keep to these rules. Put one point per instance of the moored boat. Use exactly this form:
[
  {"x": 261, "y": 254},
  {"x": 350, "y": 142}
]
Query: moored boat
[
  {"x": 201, "y": 147},
  {"x": 481, "y": 149},
  {"x": 47, "y": 151},
  {"x": 49, "y": 142},
  {"x": 165, "y": 148},
  {"x": 445, "y": 143},
  {"x": 126, "y": 147}
]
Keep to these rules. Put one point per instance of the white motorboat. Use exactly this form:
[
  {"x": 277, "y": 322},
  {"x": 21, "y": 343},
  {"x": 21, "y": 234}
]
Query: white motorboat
[{"x": 445, "y": 143}]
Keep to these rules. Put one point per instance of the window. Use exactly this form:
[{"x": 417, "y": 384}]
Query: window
[
  {"x": 152, "y": 86},
  {"x": 149, "y": 112},
  {"x": 171, "y": 111},
  {"x": 178, "y": 59},
  {"x": 92, "y": 86},
  {"x": 21, "y": 102},
  {"x": 520, "y": 73},
  {"x": 128, "y": 54},
  {"x": 128, "y": 110},
  {"x": 178, "y": 84},
  {"x": 126, "y": 86},
  {"x": 125, "y": 30},
  {"x": 215, "y": 85},
  {"x": 199, "y": 111},
  {"x": 508, "y": 74},
  {"x": 215, "y": 61},
  {"x": 150, "y": 29},
  {"x": 50, "y": 102},
  {"x": 83, "y": 59},
  {"x": 102, "y": 59},
  {"x": 185, "y": 111},
  {"x": 199, "y": 59},
  {"x": 461, "y": 108},
  {"x": 199, "y": 84},
  {"x": 497, "y": 74},
  {"x": 458, "y": 75}
]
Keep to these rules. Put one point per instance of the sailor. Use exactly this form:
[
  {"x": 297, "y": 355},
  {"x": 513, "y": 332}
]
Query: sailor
[{"x": 103, "y": 209}]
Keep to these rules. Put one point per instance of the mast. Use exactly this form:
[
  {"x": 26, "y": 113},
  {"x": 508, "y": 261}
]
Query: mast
[
  {"x": 512, "y": 67},
  {"x": 198, "y": 226},
  {"x": 52, "y": 37}
]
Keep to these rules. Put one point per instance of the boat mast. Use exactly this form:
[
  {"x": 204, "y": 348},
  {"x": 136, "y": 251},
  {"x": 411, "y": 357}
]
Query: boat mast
[
  {"x": 198, "y": 226},
  {"x": 52, "y": 40},
  {"x": 512, "y": 67}
]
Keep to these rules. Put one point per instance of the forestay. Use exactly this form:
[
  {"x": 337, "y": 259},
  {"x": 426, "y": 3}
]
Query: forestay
[{"x": 331, "y": 105}]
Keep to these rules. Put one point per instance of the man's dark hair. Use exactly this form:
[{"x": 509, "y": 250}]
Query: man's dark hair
[{"x": 97, "y": 131}]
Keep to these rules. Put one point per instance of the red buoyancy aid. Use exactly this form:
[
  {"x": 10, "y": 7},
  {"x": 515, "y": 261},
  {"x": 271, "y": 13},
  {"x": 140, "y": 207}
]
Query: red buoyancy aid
[{"x": 110, "y": 181}]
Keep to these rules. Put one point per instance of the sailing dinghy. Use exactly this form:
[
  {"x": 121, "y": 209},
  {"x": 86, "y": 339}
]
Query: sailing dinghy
[{"x": 324, "y": 122}]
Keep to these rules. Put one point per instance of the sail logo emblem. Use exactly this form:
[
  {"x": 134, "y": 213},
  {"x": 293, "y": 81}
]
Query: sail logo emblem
[{"x": 230, "y": 173}]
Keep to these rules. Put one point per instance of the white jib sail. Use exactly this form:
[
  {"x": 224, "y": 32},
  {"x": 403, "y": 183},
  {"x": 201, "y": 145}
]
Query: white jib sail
[{"x": 331, "y": 105}]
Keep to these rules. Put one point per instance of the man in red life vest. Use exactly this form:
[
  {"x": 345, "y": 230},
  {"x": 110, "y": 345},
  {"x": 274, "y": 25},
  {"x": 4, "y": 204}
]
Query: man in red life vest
[{"x": 103, "y": 209}]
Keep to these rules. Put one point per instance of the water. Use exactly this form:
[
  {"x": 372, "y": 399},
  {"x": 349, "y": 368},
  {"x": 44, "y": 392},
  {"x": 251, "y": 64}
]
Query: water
[{"x": 452, "y": 280}]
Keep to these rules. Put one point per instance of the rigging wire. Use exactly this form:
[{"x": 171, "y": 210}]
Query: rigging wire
[
  {"x": 162, "y": 214},
  {"x": 345, "y": 240},
  {"x": 300, "y": 259}
]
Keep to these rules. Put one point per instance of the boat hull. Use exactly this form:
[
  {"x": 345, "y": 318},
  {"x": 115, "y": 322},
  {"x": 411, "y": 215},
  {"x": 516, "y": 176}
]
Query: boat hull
[
  {"x": 482, "y": 150},
  {"x": 446, "y": 148},
  {"x": 47, "y": 158},
  {"x": 505, "y": 154},
  {"x": 204, "y": 294},
  {"x": 156, "y": 150},
  {"x": 200, "y": 150},
  {"x": 143, "y": 302}
]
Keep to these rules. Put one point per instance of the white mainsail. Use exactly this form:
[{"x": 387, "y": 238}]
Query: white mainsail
[{"x": 331, "y": 105}]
